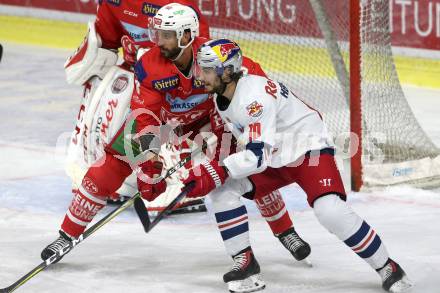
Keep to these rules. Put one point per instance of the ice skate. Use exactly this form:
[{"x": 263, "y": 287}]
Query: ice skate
[
  {"x": 394, "y": 278},
  {"x": 295, "y": 245},
  {"x": 59, "y": 244},
  {"x": 244, "y": 275}
]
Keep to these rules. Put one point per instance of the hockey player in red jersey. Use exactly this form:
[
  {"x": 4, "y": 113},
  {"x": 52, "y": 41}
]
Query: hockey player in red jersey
[
  {"x": 107, "y": 86},
  {"x": 119, "y": 24},
  {"x": 283, "y": 141},
  {"x": 166, "y": 87}
]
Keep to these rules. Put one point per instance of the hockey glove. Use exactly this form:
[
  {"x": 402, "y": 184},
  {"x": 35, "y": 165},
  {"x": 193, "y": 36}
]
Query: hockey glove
[
  {"x": 207, "y": 177},
  {"x": 148, "y": 187}
]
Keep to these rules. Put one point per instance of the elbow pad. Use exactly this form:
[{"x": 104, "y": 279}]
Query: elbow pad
[
  {"x": 89, "y": 59},
  {"x": 244, "y": 164}
]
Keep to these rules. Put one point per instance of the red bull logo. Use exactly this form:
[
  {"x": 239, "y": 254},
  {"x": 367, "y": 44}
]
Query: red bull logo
[
  {"x": 223, "y": 51},
  {"x": 226, "y": 49},
  {"x": 254, "y": 109}
]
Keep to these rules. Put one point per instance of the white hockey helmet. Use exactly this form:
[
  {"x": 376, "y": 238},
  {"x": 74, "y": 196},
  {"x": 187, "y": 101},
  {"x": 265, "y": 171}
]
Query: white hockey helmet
[
  {"x": 220, "y": 54},
  {"x": 178, "y": 18}
]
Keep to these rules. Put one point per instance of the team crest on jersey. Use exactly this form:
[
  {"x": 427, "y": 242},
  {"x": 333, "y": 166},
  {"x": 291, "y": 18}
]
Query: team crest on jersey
[
  {"x": 120, "y": 84},
  {"x": 89, "y": 185},
  {"x": 254, "y": 109},
  {"x": 150, "y": 9},
  {"x": 166, "y": 84},
  {"x": 114, "y": 2}
]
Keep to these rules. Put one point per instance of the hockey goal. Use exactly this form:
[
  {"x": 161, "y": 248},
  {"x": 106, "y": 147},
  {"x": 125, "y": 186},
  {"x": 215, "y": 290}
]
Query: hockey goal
[{"x": 309, "y": 46}]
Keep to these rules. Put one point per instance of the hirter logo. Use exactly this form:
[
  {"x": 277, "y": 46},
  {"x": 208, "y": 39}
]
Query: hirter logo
[
  {"x": 150, "y": 9},
  {"x": 166, "y": 84},
  {"x": 255, "y": 109}
]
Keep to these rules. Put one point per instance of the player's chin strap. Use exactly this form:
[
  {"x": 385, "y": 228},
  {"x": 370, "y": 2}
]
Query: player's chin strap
[
  {"x": 56, "y": 257},
  {"x": 182, "y": 48}
]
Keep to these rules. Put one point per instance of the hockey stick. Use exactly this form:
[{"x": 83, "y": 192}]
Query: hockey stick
[
  {"x": 142, "y": 213},
  {"x": 169, "y": 207},
  {"x": 56, "y": 257}
]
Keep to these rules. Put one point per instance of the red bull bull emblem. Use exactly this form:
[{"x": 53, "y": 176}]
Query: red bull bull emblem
[
  {"x": 223, "y": 51},
  {"x": 226, "y": 49},
  {"x": 254, "y": 109}
]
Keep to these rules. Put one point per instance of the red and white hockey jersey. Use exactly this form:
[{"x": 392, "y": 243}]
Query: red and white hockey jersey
[
  {"x": 273, "y": 126},
  {"x": 125, "y": 24}
]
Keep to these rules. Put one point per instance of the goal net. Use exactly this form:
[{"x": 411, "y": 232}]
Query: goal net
[{"x": 309, "y": 46}]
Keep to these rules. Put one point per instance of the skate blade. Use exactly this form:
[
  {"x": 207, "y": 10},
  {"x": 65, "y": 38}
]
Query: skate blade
[
  {"x": 250, "y": 284},
  {"x": 307, "y": 262},
  {"x": 402, "y": 286}
]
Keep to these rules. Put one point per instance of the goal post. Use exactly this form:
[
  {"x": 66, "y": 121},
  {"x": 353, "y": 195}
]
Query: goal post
[{"x": 355, "y": 93}]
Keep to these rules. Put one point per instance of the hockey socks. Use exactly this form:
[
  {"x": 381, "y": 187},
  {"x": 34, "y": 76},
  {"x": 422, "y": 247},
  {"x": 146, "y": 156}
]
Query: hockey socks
[
  {"x": 273, "y": 209},
  {"x": 234, "y": 228},
  {"x": 367, "y": 244},
  {"x": 335, "y": 215},
  {"x": 81, "y": 212}
]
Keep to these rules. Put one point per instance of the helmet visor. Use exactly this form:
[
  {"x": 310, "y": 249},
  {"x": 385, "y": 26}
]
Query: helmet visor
[
  {"x": 203, "y": 70},
  {"x": 159, "y": 36}
]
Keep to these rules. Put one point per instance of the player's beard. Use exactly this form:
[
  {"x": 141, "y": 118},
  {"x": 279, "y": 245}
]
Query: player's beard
[
  {"x": 218, "y": 88},
  {"x": 170, "y": 53}
]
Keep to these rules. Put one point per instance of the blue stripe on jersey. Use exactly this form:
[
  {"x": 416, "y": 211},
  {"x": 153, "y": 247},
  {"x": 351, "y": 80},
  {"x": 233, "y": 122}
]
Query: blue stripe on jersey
[
  {"x": 231, "y": 214},
  {"x": 257, "y": 148},
  {"x": 140, "y": 71},
  {"x": 357, "y": 237},
  {"x": 230, "y": 233},
  {"x": 372, "y": 248}
]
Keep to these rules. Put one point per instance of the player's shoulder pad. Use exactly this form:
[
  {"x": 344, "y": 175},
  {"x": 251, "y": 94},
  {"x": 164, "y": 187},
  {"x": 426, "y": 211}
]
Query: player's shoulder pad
[
  {"x": 156, "y": 72},
  {"x": 249, "y": 66},
  {"x": 198, "y": 42}
]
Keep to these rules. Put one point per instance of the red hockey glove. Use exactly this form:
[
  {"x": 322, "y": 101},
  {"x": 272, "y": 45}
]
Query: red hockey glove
[
  {"x": 148, "y": 189},
  {"x": 207, "y": 177}
]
